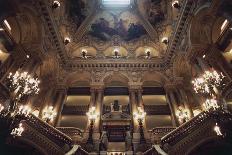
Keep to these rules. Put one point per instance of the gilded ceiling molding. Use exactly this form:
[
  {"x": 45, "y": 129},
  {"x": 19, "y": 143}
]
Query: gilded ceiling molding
[
  {"x": 50, "y": 24},
  {"x": 175, "y": 40}
]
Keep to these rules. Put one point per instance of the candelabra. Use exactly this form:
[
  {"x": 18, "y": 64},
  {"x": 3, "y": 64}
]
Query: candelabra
[
  {"x": 210, "y": 104},
  {"x": 183, "y": 115},
  {"x": 140, "y": 116},
  {"x": 16, "y": 132},
  {"x": 49, "y": 114},
  {"x": 92, "y": 116},
  {"x": 22, "y": 84},
  {"x": 24, "y": 110}
]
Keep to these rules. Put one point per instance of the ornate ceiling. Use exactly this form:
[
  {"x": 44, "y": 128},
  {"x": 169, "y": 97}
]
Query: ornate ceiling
[{"x": 99, "y": 30}]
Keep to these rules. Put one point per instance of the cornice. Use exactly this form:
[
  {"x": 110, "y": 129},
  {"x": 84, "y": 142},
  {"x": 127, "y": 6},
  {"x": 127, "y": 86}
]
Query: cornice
[
  {"x": 44, "y": 9},
  {"x": 175, "y": 40}
]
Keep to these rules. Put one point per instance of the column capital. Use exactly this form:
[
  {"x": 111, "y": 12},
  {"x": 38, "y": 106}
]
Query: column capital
[
  {"x": 135, "y": 86},
  {"x": 97, "y": 86}
]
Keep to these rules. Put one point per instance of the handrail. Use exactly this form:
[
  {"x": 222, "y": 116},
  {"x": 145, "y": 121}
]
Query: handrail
[
  {"x": 49, "y": 131},
  {"x": 70, "y": 130},
  {"x": 187, "y": 127}
]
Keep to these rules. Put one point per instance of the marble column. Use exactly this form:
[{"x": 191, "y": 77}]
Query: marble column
[
  {"x": 133, "y": 108},
  {"x": 172, "y": 104},
  {"x": 61, "y": 96}
]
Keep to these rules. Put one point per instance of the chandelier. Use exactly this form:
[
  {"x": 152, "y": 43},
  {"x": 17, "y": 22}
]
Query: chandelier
[
  {"x": 209, "y": 80},
  {"x": 210, "y": 104},
  {"x": 49, "y": 114},
  {"x": 22, "y": 83}
]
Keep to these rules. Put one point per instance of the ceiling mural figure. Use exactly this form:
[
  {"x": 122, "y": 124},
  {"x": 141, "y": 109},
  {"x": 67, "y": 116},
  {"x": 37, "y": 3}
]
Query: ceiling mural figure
[
  {"x": 154, "y": 10},
  {"x": 77, "y": 11},
  {"x": 124, "y": 25}
]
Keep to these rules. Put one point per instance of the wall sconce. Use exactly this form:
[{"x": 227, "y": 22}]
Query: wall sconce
[
  {"x": 183, "y": 115},
  {"x": 55, "y": 4},
  {"x": 164, "y": 40},
  {"x": 140, "y": 116},
  {"x": 84, "y": 53},
  {"x": 148, "y": 54},
  {"x": 17, "y": 132},
  {"x": 1, "y": 108},
  {"x": 49, "y": 114},
  {"x": 92, "y": 116},
  {"x": 116, "y": 53},
  {"x": 67, "y": 40},
  {"x": 24, "y": 110},
  {"x": 176, "y": 4}
]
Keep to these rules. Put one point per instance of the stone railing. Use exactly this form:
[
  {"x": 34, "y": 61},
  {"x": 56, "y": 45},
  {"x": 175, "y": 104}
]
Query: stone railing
[
  {"x": 74, "y": 133},
  {"x": 42, "y": 136},
  {"x": 162, "y": 130},
  {"x": 182, "y": 139}
]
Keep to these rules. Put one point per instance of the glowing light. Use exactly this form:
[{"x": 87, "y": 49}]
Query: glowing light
[
  {"x": 36, "y": 113},
  {"x": 175, "y": 4},
  {"x": 116, "y": 3},
  {"x": 182, "y": 114},
  {"x": 22, "y": 83},
  {"x": 207, "y": 82},
  {"x": 148, "y": 54},
  {"x": 1, "y": 29},
  {"x": 140, "y": 114},
  {"x": 203, "y": 56},
  {"x": 56, "y": 4},
  {"x": 49, "y": 114},
  {"x": 84, "y": 53},
  {"x": 217, "y": 129},
  {"x": 7, "y": 25},
  {"x": 1, "y": 108},
  {"x": 196, "y": 112},
  {"x": 224, "y": 24},
  {"x": 210, "y": 104},
  {"x": 164, "y": 40},
  {"x": 92, "y": 115},
  {"x": 28, "y": 56},
  {"x": 17, "y": 132},
  {"x": 67, "y": 40},
  {"x": 116, "y": 53},
  {"x": 24, "y": 110}
]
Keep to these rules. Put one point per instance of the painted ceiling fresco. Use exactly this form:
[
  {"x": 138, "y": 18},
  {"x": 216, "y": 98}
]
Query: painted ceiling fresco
[
  {"x": 78, "y": 10},
  {"x": 124, "y": 24},
  {"x": 153, "y": 10}
]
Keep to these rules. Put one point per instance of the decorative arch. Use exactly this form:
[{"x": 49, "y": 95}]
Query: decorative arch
[
  {"x": 74, "y": 77},
  {"x": 25, "y": 25},
  {"x": 156, "y": 77},
  {"x": 201, "y": 27},
  {"x": 115, "y": 76}
]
